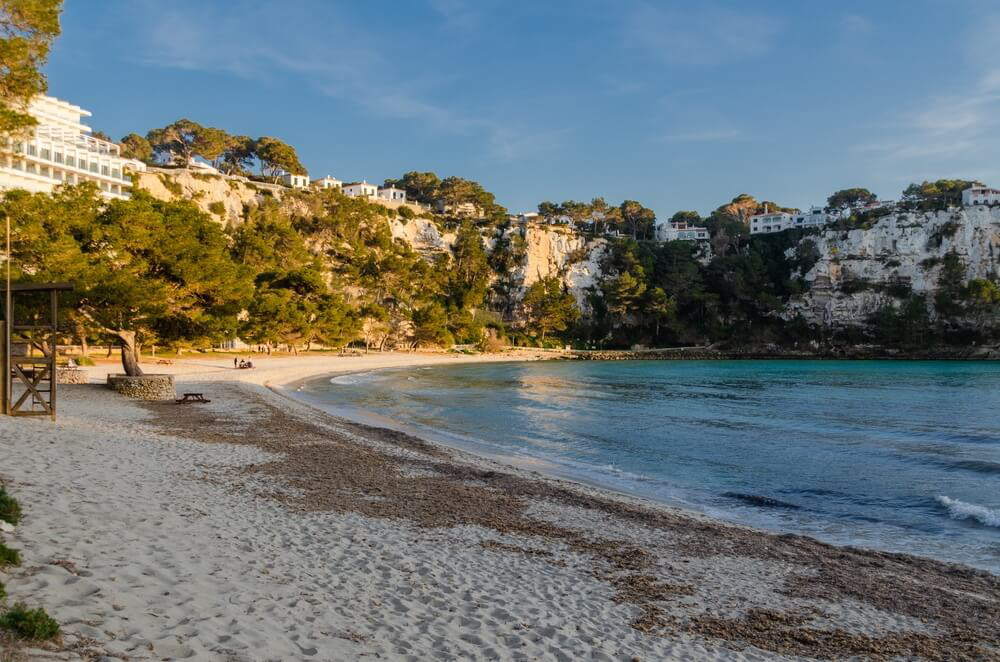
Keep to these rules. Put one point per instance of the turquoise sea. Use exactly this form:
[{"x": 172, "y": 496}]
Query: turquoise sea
[{"x": 894, "y": 455}]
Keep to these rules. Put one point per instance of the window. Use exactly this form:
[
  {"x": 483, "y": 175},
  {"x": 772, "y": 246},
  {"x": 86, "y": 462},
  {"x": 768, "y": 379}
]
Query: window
[
  {"x": 82, "y": 164},
  {"x": 59, "y": 157},
  {"x": 19, "y": 148},
  {"x": 104, "y": 187},
  {"x": 32, "y": 150},
  {"x": 46, "y": 154},
  {"x": 57, "y": 174},
  {"x": 116, "y": 173},
  {"x": 17, "y": 165},
  {"x": 30, "y": 168},
  {"x": 105, "y": 170},
  {"x": 43, "y": 171},
  {"x": 70, "y": 161},
  {"x": 93, "y": 167}
]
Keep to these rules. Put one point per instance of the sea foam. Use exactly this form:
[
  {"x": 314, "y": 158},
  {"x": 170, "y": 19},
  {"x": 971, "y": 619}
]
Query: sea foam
[{"x": 962, "y": 510}]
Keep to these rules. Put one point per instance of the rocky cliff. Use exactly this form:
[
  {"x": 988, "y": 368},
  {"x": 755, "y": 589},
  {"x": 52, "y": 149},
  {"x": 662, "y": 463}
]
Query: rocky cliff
[
  {"x": 862, "y": 270},
  {"x": 221, "y": 197},
  {"x": 558, "y": 251},
  {"x": 549, "y": 250}
]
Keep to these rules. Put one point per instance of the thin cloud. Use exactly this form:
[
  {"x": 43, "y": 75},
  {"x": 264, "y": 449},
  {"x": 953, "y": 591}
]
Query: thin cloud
[
  {"x": 702, "y": 35},
  {"x": 337, "y": 58}
]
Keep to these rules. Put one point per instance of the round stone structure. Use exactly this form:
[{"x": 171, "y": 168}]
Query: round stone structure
[{"x": 144, "y": 387}]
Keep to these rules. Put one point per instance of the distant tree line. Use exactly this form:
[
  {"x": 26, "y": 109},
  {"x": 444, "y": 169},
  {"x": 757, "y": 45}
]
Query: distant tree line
[{"x": 180, "y": 142}]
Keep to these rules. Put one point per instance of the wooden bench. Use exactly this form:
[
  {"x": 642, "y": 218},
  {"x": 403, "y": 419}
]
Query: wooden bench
[{"x": 192, "y": 397}]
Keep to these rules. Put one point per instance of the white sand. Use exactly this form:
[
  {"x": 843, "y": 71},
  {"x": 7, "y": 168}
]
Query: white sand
[{"x": 172, "y": 566}]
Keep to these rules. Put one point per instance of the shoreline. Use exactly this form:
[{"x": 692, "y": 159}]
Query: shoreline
[
  {"x": 255, "y": 527},
  {"x": 764, "y": 522}
]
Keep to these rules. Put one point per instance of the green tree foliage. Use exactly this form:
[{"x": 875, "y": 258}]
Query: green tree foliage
[
  {"x": 508, "y": 255},
  {"x": 175, "y": 143},
  {"x": 937, "y": 195},
  {"x": 27, "y": 29},
  {"x": 134, "y": 146},
  {"x": 238, "y": 155},
  {"x": 430, "y": 326},
  {"x": 549, "y": 307},
  {"x": 467, "y": 273},
  {"x": 276, "y": 157},
  {"x": 424, "y": 187},
  {"x": 146, "y": 270},
  {"x": 951, "y": 286},
  {"x": 850, "y": 197},
  {"x": 689, "y": 217}
]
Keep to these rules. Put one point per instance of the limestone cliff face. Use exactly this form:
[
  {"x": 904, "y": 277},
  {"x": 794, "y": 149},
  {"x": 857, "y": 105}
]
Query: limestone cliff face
[
  {"x": 422, "y": 234},
  {"x": 900, "y": 249},
  {"x": 557, "y": 251},
  {"x": 223, "y": 198}
]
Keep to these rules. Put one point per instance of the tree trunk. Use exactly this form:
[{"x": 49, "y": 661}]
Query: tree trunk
[
  {"x": 130, "y": 353},
  {"x": 81, "y": 335}
]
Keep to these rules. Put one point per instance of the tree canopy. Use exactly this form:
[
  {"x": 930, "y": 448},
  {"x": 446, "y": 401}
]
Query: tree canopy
[
  {"x": 27, "y": 29},
  {"x": 850, "y": 198}
]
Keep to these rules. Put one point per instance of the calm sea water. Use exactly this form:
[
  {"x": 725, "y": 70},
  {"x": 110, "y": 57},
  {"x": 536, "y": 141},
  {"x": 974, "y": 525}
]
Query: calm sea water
[{"x": 903, "y": 456}]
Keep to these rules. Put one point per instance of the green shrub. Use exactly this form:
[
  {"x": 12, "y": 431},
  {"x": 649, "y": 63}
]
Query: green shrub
[
  {"x": 84, "y": 360},
  {"x": 8, "y": 555},
  {"x": 29, "y": 623},
  {"x": 171, "y": 185},
  {"x": 217, "y": 208},
  {"x": 3, "y": 591},
  {"x": 10, "y": 509}
]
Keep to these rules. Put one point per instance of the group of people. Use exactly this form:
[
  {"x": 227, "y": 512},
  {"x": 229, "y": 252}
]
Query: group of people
[{"x": 241, "y": 364}]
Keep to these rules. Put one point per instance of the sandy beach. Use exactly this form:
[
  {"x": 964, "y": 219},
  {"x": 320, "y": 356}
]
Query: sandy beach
[{"x": 257, "y": 528}]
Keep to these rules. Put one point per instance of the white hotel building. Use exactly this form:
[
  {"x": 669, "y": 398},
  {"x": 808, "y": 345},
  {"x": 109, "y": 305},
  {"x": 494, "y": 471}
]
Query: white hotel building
[{"x": 60, "y": 150}]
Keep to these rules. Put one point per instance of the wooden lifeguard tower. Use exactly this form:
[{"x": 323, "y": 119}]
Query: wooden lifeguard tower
[{"x": 28, "y": 348}]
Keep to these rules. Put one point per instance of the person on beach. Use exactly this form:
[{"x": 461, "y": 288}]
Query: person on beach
[{"x": 235, "y": 363}]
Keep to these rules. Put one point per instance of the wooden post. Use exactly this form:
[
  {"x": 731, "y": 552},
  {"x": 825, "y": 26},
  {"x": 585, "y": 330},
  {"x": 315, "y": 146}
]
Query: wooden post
[{"x": 53, "y": 351}]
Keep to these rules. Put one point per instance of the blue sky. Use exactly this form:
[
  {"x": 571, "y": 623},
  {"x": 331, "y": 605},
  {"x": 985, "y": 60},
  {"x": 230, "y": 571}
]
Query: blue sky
[{"x": 681, "y": 105}]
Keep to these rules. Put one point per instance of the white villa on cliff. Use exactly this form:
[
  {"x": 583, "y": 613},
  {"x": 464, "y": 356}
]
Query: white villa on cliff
[
  {"x": 360, "y": 190},
  {"x": 980, "y": 195},
  {"x": 60, "y": 150},
  {"x": 780, "y": 221},
  {"x": 680, "y": 231},
  {"x": 328, "y": 182},
  {"x": 295, "y": 181},
  {"x": 392, "y": 194}
]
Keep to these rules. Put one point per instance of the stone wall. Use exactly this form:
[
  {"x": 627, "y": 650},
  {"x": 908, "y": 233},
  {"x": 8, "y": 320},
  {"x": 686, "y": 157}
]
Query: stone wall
[
  {"x": 71, "y": 376},
  {"x": 144, "y": 387}
]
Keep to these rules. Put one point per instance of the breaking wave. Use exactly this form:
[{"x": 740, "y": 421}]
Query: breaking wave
[
  {"x": 352, "y": 378},
  {"x": 962, "y": 510}
]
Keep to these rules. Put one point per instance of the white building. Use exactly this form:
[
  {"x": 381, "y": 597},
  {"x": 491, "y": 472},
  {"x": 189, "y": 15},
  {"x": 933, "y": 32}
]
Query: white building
[
  {"x": 528, "y": 216},
  {"x": 361, "y": 190},
  {"x": 60, "y": 150},
  {"x": 980, "y": 195},
  {"x": 295, "y": 181},
  {"x": 768, "y": 222},
  {"x": 328, "y": 182},
  {"x": 392, "y": 193},
  {"x": 680, "y": 231}
]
